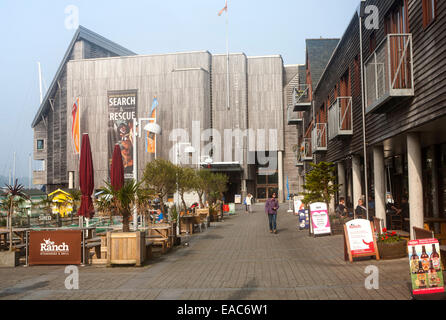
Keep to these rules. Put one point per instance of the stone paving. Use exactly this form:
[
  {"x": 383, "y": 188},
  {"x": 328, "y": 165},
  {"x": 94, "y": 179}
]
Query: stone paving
[{"x": 236, "y": 259}]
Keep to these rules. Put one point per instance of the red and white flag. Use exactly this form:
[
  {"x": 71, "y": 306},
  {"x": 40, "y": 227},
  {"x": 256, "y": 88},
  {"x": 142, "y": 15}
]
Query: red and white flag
[{"x": 224, "y": 9}]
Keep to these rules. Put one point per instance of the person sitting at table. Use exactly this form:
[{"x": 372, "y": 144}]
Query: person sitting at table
[
  {"x": 159, "y": 218},
  {"x": 361, "y": 211},
  {"x": 391, "y": 209},
  {"x": 341, "y": 210}
]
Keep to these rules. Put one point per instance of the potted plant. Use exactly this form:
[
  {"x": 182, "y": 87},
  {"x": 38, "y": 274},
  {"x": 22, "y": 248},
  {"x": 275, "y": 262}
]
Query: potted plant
[
  {"x": 14, "y": 197},
  {"x": 391, "y": 246}
]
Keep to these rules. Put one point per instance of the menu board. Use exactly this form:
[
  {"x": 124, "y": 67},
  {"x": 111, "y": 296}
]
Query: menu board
[
  {"x": 320, "y": 222},
  {"x": 360, "y": 235},
  {"x": 238, "y": 199},
  {"x": 359, "y": 240},
  {"x": 425, "y": 266}
]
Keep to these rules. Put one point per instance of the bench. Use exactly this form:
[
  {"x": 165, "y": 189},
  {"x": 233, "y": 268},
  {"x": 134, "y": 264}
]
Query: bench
[
  {"x": 158, "y": 240},
  {"x": 422, "y": 233}
]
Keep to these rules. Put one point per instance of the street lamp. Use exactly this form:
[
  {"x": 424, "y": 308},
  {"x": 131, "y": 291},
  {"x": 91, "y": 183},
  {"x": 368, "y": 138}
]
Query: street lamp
[{"x": 151, "y": 127}]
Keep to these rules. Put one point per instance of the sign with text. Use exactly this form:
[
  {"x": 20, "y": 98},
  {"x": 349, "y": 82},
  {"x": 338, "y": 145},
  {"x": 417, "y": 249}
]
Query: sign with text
[
  {"x": 61, "y": 247},
  {"x": 238, "y": 199},
  {"x": 121, "y": 113},
  {"x": 320, "y": 222},
  {"x": 425, "y": 266},
  {"x": 359, "y": 240}
]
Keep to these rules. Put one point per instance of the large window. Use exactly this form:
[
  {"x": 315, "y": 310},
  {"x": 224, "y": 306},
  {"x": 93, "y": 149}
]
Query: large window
[
  {"x": 396, "y": 20},
  {"x": 40, "y": 145},
  {"x": 429, "y": 12}
]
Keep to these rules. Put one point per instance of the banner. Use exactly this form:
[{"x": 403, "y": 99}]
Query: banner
[
  {"x": 360, "y": 237},
  {"x": 75, "y": 126},
  {"x": 55, "y": 247},
  {"x": 122, "y": 106},
  {"x": 150, "y": 136},
  {"x": 425, "y": 266},
  {"x": 320, "y": 223}
]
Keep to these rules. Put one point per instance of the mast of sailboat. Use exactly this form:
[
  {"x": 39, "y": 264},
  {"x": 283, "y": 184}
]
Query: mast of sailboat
[
  {"x": 13, "y": 170},
  {"x": 29, "y": 173}
]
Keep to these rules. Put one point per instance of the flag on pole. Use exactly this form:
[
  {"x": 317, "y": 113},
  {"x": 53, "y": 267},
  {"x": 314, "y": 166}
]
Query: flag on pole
[
  {"x": 150, "y": 137},
  {"x": 224, "y": 9},
  {"x": 287, "y": 188},
  {"x": 75, "y": 128}
]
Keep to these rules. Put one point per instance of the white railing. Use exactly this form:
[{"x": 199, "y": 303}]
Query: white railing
[
  {"x": 340, "y": 118},
  {"x": 306, "y": 152},
  {"x": 301, "y": 95},
  {"x": 294, "y": 117},
  {"x": 388, "y": 72},
  {"x": 319, "y": 137}
]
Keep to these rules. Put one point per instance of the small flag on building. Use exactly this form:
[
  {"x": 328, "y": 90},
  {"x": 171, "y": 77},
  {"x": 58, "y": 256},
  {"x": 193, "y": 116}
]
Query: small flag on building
[
  {"x": 75, "y": 128},
  {"x": 224, "y": 9}
]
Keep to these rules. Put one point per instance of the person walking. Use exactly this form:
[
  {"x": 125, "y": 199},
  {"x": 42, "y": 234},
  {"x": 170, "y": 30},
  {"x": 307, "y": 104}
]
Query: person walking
[
  {"x": 248, "y": 203},
  {"x": 271, "y": 207}
]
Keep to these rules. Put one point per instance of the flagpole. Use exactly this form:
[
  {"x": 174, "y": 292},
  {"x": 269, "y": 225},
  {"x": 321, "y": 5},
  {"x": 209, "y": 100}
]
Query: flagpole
[{"x": 227, "y": 57}]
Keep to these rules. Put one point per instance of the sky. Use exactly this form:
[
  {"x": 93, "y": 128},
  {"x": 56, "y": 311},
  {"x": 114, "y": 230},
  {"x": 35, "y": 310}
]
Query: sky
[{"x": 36, "y": 31}]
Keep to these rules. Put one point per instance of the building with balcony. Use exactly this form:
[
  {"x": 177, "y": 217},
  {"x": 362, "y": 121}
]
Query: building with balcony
[{"x": 404, "y": 89}]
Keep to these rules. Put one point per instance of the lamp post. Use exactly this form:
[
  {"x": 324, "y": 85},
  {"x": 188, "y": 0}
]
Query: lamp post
[{"x": 151, "y": 127}]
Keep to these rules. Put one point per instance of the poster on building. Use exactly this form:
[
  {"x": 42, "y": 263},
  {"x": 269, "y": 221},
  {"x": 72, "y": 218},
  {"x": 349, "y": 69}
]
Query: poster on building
[
  {"x": 122, "y": 107},
  {"x": 360, "y": 237},
  {"x": 425, "y": 266},
  {"x": 298, "y": 205},
  {"x": 319, "y": 220},
  {"x": 238, "y": 199},
  {"x": 55, "y": 247}
]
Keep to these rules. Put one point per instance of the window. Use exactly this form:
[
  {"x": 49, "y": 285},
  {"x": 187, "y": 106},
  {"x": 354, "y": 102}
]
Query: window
[
  {"x": 40, "y": 145},
  {"x": 396, "y": 20},
  {"x": 429, "y": 11},
  {"x": 372, "y": 42},
  {"x": 357, "y": 76}
]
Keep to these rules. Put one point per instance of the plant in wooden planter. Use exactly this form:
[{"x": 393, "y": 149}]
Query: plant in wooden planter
[
  {"x": 14, "y": 197},
  {"x": 391, "y": 246}
]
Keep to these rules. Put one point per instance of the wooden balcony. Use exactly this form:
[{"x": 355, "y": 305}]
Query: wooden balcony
[
  {"x": 301, "y": 98},
  {"x": 319, "y": 137},
  {"x": 39, "y": 177},
  {"x": 388, "y": 73},
  {"x": 340, "y": 118}
]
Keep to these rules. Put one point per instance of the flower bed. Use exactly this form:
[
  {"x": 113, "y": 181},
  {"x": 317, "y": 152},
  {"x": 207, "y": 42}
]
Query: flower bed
[{"x": 391, "y": 246}]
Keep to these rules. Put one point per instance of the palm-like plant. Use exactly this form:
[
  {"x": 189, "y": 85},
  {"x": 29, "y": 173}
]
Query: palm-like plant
[
  {"x": 122, "y": 201},
  {"x": 14, "y": 196},
  {"x": 76, "y": 196}
]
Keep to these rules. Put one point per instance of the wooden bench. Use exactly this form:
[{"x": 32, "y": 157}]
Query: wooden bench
[
  {"x": 422, "y": 233},
  {"x": 158, "y": 240}
]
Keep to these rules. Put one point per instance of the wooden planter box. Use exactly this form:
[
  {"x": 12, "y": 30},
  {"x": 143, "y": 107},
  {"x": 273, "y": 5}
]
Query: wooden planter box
[
  {"x": 9, "y": 258},
  {"x": 124, "y": 248},
  {"x": 389, "y": 251}
]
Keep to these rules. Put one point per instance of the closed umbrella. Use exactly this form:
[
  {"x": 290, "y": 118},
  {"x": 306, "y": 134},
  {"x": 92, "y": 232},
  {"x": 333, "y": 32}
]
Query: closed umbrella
[
  {"x": 117, "y": 169},
  {"x": 86, "y": 178}
]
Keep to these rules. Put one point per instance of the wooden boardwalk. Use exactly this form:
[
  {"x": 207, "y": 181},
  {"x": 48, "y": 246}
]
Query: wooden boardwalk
[{"x": 236, "y": 259}]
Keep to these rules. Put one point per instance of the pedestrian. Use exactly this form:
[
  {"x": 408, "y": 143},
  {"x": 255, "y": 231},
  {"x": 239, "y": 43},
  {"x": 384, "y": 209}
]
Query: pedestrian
[
  {"x": 341, "y": 210},
  {"x": 248, "y": 203},
  {"x": 360, "y": 211},
  {"x": 271, "y": 207}
]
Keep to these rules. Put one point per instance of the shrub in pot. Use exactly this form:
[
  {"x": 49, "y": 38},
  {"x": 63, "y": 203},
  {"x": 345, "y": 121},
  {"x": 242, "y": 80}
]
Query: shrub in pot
[{"x": 391, "y": 246}]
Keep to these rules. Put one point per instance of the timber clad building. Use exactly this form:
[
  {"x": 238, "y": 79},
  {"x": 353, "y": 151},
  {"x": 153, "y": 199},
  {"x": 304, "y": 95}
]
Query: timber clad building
[
  {"x": 404, "y": 65},
  {"x": 190, "y": 93}
]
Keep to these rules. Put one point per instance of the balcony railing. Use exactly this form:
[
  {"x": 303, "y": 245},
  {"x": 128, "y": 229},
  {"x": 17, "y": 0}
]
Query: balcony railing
[
  {"x": 306, "y": 152},
  {"x": 340, "y": 118},
  {"x": 293, "y": 116},
  {"x": 299, "y": 161},
  {"x": 301, "y": 98},
  {"x": 319, "y": 138},
  {"x": 388, "y": 72}
]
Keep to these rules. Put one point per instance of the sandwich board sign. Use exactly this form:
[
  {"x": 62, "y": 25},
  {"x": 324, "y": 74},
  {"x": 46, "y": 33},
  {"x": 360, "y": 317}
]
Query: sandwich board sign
[
  {"x": 359, "y": 240},
  {"x": 319, "y": 220},
  {"x": 425, "y": 267}
]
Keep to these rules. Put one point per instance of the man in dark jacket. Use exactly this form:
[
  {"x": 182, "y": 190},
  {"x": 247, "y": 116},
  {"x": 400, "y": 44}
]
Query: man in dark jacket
[{"x": 271, "y": 207}]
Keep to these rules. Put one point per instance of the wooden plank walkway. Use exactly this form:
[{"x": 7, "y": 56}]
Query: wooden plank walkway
[{"x": 236, "y": 259}]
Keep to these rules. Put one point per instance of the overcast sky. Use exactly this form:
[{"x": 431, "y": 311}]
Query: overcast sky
[{"x": 33, "y": 31}]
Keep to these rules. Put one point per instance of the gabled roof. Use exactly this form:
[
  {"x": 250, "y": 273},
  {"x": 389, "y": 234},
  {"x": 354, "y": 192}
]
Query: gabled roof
[
  {"x": 90, "y": 36},
  {"x": 319, "y": 52}
]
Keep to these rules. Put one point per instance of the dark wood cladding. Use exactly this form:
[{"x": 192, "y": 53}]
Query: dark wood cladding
[
  {"x": 343, "y": 60},
  {"x": 429, "y": 50}
]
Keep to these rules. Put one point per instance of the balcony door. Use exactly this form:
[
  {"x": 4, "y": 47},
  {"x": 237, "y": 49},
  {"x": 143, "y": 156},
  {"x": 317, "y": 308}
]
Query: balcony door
[
  {"x": 345, "y": 105},
  {"x": 397, "y": 24}
]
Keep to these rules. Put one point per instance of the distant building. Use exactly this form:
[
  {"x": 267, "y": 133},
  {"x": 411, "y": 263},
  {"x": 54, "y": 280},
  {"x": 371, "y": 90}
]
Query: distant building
[{"x": 111, "y": 85}]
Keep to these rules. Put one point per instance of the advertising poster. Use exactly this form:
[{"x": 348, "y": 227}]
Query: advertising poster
[
  {"x": 360, "y": 237},
  {"x": 55, "y": 247},
  {"x": 304, "y": 219},
  {"x": 238, "y": 199},
  {"x": 122, "y": 110},
  {"x": 319, "y": 219},
  {"x": 298, "y": 205},
  {"x": 425, "y": 266}
]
